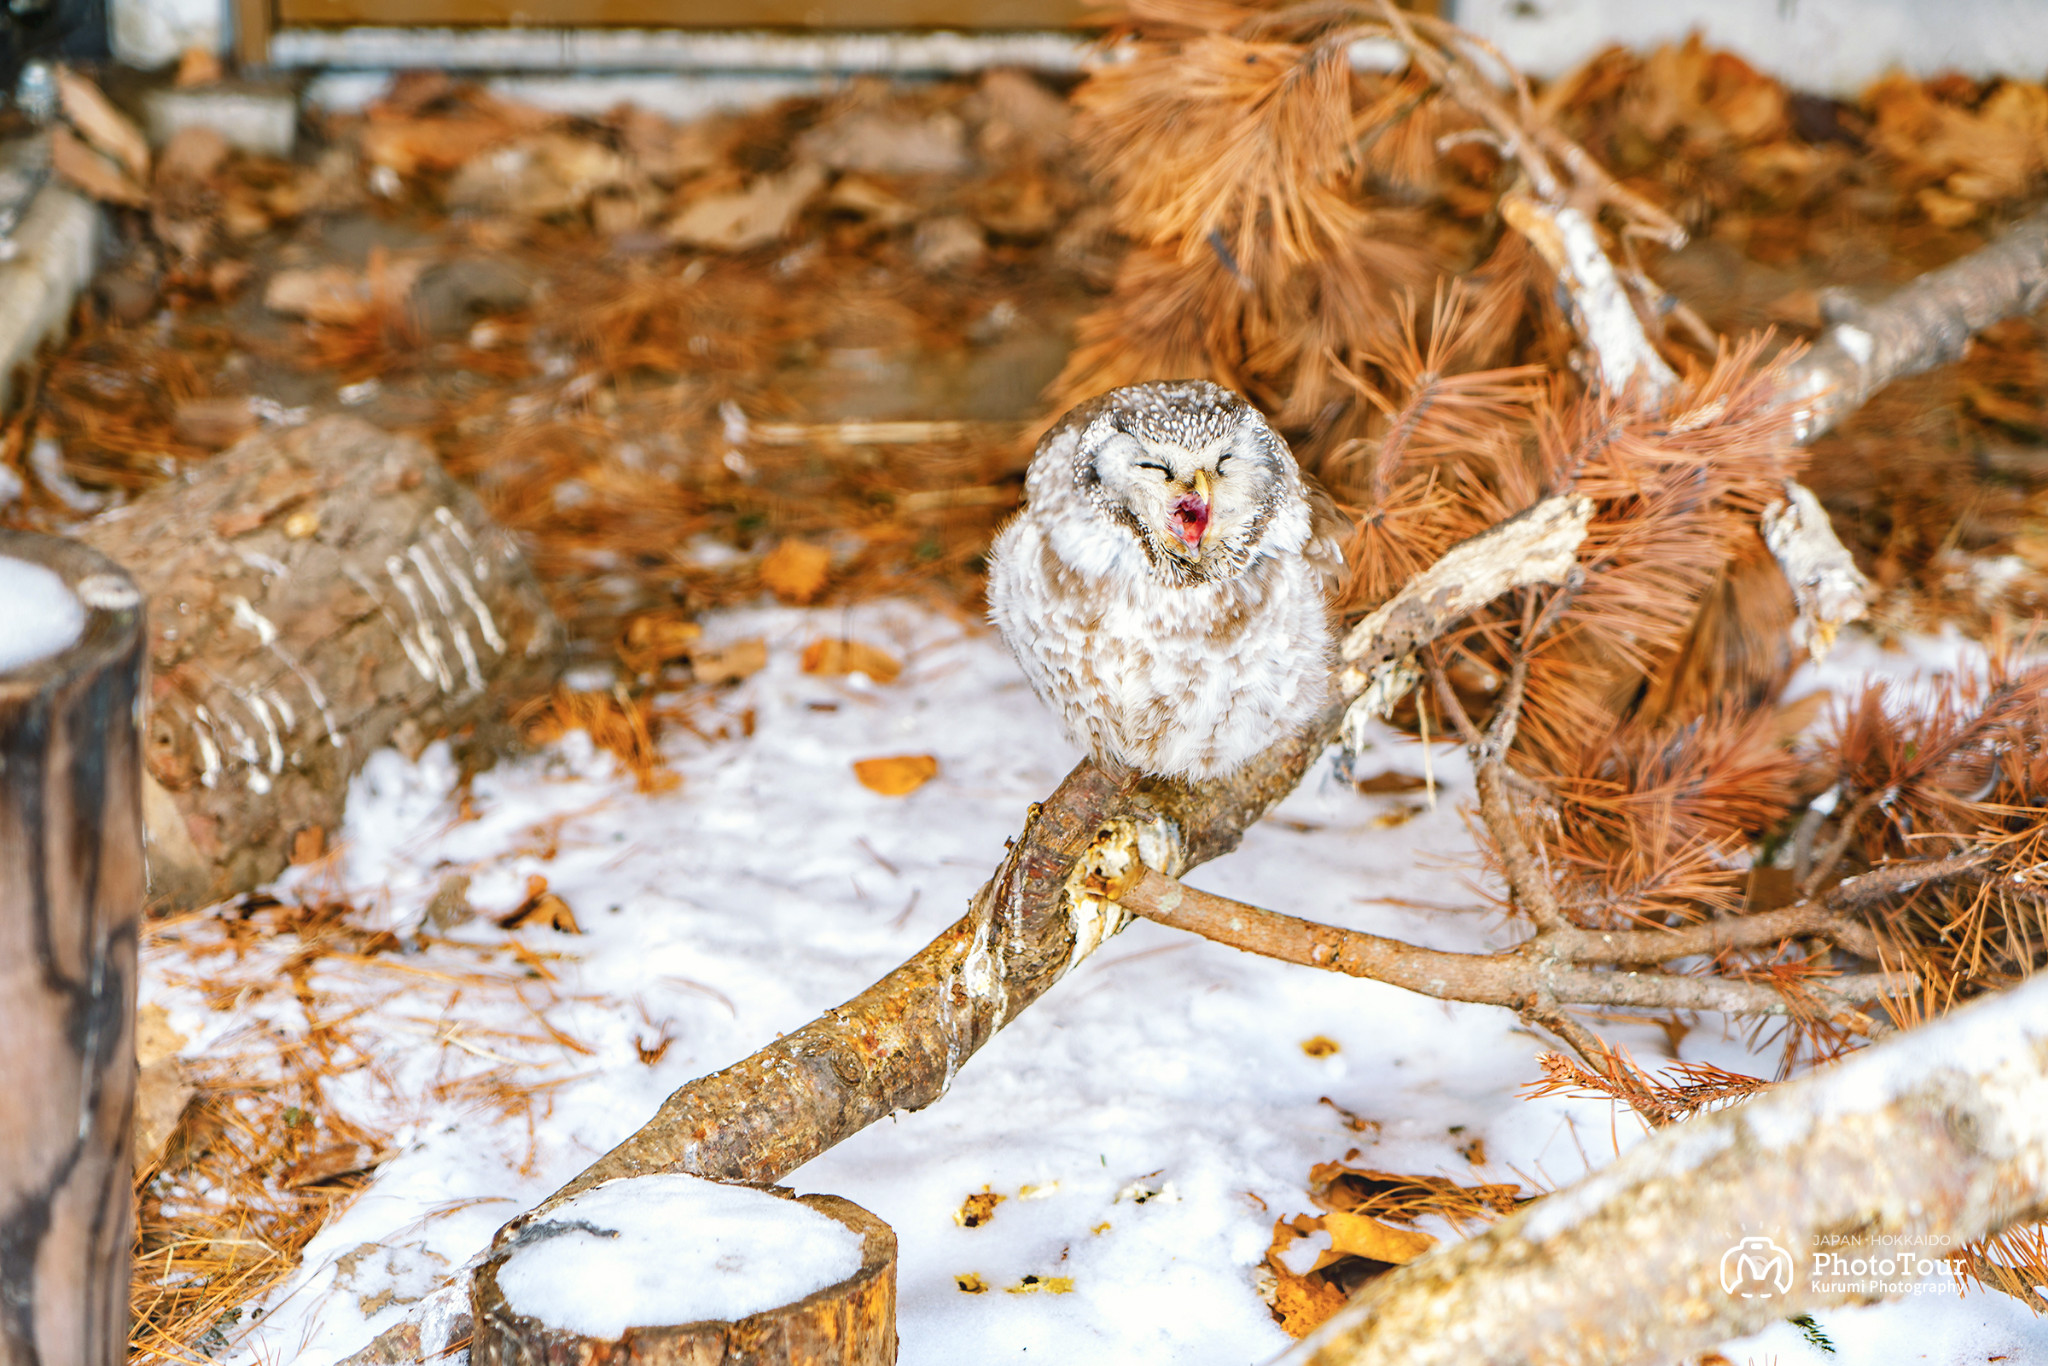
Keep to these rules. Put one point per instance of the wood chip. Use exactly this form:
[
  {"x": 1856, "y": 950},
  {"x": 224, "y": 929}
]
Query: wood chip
[{"x": 899, "y": 775}]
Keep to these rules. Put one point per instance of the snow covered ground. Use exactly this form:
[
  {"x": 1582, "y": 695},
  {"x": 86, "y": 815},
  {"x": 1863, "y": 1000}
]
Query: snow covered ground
[{"x": 1146, "y": 1121}]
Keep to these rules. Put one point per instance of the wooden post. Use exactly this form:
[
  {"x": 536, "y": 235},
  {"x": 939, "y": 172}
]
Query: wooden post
[
  {"x": 852, "y": 1323},
  {"x": 71, "y": 888}
]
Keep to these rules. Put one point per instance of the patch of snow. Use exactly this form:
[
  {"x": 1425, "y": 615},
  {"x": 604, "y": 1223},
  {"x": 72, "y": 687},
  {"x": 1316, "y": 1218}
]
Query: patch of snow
[
  {"x": 657, "y": 1251},
  {"x": 42, "y": 618}
]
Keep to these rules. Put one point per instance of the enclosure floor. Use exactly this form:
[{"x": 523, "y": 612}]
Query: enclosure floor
[{"x": 1147, "y": 1121}]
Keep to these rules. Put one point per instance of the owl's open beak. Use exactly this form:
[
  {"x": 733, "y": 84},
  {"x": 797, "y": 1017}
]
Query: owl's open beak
[{"x": 1189, "y": 519}]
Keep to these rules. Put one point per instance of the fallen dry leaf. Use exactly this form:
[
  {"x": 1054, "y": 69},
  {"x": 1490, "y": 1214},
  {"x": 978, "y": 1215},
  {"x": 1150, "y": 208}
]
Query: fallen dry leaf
[
  {"x": 541, "y": 907},
  {"x": 308, "y": 844},
  {"x": 336, "y": 294},
  {"x": 1299, "y": 1302},
  {"x": 759, "y": 214},
  {"x": 104, "y": 126},
  {"x": 342, "y": 1159},
  {"x": 898, "y": 775},
  {"x": 409, "y": 146},
  {"x": 795, "y": 571},
  {"x": 979, "y": 1209},
  {"x": 833, "y": 658},
  {"x": 1389, "y": 782},
  {"x": 1360, "y": 1235},
  {"x": 1321, "y": 1046},
  {"x": 161, "y": 1095},
  {"x": 971, "y": 1284},
  {"x": 1051, "y": 1285},
  {"x": 93, "y": 173},
  {"x": 653, "y": 639},
  {"x": 538, "y": 177},
  {"x": 741, "y": 659},
  {"x": 192, "y": 156}
]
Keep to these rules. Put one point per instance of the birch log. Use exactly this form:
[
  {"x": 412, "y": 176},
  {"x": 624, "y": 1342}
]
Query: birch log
[
  {"x": 70, "y": 899},
  {"x": 1839, "y": 1188},
  {"x": 314, "y": 594}
]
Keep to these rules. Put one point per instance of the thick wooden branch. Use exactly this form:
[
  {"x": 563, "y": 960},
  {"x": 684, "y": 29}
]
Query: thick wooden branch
[
  {"x": 1926, "y": 324},
  {"x": 1906, "y": 1150},
  {"x": 1544, "y": 972}
]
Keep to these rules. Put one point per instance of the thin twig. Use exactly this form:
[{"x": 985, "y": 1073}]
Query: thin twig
[{"x": 1516, "y": 978}]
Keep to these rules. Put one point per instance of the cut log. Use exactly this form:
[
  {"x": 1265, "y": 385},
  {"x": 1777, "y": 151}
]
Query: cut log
[
  {"x": 314, "y": 594},
  {"x": 851, "y": 1321},
  {"x": 70, "y": 899}
]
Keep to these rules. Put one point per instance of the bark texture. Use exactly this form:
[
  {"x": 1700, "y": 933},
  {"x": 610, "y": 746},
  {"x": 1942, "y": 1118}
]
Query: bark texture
[
  {"x": 71, "y": 887},
  {"x": 852, "y": 1323},
  {"x": 1926, "y": 324},
  {"x": 314, "y": 594},
  {"x": 1910, "y": 1147}
]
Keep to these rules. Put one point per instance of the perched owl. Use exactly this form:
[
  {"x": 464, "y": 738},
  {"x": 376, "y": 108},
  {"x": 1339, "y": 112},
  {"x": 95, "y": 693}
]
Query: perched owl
[{"x": 1167, "y": 585}]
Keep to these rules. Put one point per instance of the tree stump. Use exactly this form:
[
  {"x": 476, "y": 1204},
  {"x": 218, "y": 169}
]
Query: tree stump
[
  {"x": 314, "y": 594},
  {"x": 71, "y": 889},
  {"x": 849, "y": 1323}
]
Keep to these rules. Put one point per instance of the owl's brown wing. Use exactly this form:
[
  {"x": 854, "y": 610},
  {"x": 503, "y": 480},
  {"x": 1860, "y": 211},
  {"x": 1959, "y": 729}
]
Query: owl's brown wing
[{"x": 1327, "y": 531}]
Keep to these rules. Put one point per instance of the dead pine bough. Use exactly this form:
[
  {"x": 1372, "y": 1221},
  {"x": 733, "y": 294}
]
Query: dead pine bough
[{"x": 1597, "y": 584}]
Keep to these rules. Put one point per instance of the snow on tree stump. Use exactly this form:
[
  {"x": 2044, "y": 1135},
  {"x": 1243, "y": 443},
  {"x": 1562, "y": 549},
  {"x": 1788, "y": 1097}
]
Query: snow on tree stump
[
  {"x": 71, "y": 889},
  {"x": 314, "y": 594},
  {"x": 674, "y": 1270}
]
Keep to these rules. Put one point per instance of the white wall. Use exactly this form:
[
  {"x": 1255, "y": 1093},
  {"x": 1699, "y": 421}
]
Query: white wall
[
  {"x": 1828, "y": 46},
  {"x": 151, "y": 33}
]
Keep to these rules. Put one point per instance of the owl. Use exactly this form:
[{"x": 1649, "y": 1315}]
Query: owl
[{"x": 1167, "y": 585}]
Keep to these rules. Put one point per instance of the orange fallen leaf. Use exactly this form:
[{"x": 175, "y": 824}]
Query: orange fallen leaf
[
  {"x": 978, "y": 1209},
  {"x": 898, "y": 775},
  {"x": 795, "y": 571},
  {"x": 834, "y": 657},
  {"x": 93, "y": 173},
  {"x": 1299, "y": 1302},
  {"x": 741, "y": 659},
  {"x": 652, "y": 639},
  {"x": 541, "y": 907},
  {"x": 104, "y": 126},
  {"x": 1321, "y": 1046},
  {"x": 1361, "y": 1235}
]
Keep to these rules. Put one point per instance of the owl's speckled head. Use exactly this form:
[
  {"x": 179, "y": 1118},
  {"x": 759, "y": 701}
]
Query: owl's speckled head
[{"x": 1190, "y": 470}]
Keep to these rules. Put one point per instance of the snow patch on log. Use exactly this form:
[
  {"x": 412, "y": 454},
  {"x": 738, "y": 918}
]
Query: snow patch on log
[
  {"x": 672, "y": 1249},
  {"x": 43, "y": 616}
]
